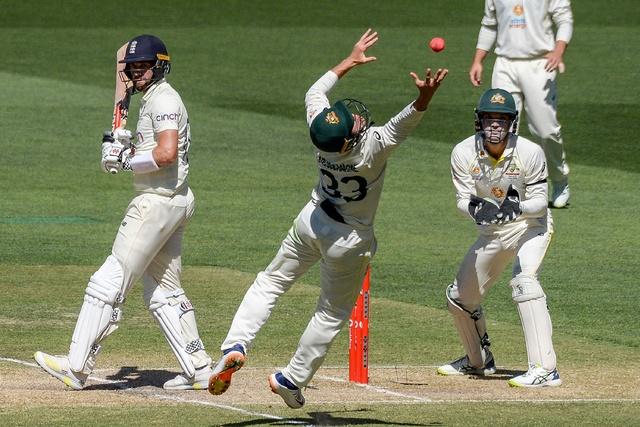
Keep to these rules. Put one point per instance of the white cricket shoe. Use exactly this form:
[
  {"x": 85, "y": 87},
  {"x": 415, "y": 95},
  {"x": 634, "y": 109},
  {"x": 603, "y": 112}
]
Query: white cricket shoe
[
  {"x": 463, "y": 367},
  {"x": 198, "y": 382},
  {"x": 58, "y": 366},
  {"x": 232, "y": 360},
  {"x": 561, "y": 194},
  {"x": 288, "y": 391},
  {"x": 536, "y": 376}
]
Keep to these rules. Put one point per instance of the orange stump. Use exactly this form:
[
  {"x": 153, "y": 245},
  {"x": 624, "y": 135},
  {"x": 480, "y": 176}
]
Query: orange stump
[{"x": 359, "y": 335}]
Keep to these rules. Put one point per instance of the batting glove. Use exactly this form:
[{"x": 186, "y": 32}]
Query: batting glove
[
  {"x": 510, "y": 207},
  {"x": 483, "y": 211},
  {"x": 123, "y": 136},
  {"x": 115, "y": 157}
]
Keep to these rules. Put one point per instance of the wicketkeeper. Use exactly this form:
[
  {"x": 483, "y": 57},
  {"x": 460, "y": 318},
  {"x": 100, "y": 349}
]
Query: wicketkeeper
[
  {"x": 149, "y": 241},
  {"x": 501, "y": 184}
]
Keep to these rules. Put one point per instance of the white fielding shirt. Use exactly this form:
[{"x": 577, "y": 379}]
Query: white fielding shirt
[
  {"x": 522, "y": 165},
  {"x": 162, "y": 109},
  {"x": 353, "y": 181},
  {"x": 523, "y": 29}
]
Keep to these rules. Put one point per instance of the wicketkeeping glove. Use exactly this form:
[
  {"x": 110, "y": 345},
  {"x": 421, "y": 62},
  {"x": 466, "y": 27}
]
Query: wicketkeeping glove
[
  {"x": 510, "y": 207},
  {"x": 483, "y": 211}
]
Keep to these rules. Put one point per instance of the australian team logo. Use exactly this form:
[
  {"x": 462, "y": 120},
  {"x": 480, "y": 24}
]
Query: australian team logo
[
  {"x": 332, "y": 118},
  {"x": 497, "y": 99},
  {"x": 518, "y": 19}
]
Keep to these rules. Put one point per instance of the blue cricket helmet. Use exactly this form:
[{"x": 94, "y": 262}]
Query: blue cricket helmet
[{"x": 147, "y": 48}]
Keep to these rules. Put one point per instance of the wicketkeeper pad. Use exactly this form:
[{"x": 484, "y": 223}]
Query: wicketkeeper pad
[{"x": 471, "y": 326}]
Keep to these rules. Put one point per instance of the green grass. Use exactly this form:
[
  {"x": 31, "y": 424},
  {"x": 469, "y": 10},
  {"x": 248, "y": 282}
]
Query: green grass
[{"x": 242, "y": 69}]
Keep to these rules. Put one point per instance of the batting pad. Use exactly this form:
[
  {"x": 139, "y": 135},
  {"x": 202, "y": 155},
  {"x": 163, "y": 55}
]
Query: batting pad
[
  {"x": 99, "y": 315},
  {"x": 176, "y": 318}
]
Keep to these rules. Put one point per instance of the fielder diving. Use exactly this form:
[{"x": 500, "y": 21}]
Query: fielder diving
[{"x": 148, "y": 244}]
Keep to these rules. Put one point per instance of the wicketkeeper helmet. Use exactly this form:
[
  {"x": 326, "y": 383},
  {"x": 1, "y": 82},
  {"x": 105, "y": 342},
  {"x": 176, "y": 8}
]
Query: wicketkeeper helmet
[{"x": 496, "y": 101}]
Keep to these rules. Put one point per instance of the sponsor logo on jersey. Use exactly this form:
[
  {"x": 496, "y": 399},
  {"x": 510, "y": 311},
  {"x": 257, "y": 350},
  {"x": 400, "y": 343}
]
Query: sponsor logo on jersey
[
  {"x": 497, "y": 192},
  {"x": 475, "y": 173},
  {"x": 169, "y": 116},
  {"x": 518, "y": 20},
  {"x": 340, "y": 167},
  {"x": 513, "y": 170},
  {"x": 332, "y": 118}
]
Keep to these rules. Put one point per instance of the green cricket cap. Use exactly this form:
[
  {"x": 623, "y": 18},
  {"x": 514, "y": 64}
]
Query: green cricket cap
[
  {"x": 497, "y": 101},
  {"x": 331, "y": 129}
]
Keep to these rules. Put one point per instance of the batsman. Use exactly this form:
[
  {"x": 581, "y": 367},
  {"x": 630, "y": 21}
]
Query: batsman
[{"x": 148, "y": 244}]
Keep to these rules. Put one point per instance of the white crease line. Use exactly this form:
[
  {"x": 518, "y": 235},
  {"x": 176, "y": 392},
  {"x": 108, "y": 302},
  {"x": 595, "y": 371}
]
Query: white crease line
[
  {"x": 378, "y": 389},
  {"x": 121, "y": 386},
  {"x": 416, "y": 399}
]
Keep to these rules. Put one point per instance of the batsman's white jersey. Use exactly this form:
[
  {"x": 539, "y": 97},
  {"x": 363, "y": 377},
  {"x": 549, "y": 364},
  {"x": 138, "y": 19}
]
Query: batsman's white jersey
[
  {"x": 522, "y": 31},
  {"x": 162, "y": 109},
  {"x": 524, "y": 240},
  {"x": 340, "y": 235},
  {"x": 148, "y": 245}
]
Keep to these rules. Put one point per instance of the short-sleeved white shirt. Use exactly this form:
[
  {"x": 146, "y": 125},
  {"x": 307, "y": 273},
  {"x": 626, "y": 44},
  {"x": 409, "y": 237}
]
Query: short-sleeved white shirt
[{"x": 162, "y": 109}]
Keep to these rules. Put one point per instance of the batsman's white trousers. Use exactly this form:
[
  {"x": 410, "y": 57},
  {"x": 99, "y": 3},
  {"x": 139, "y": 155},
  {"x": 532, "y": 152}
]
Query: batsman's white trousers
[
  {"x": 535, "y": 89},
  {"x": 344, "y": 253},
  {"x": 149, "y": 245}
]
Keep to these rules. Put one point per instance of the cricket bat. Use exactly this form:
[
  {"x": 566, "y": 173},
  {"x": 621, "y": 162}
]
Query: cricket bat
[
  {"x": 121, "y": 98},
  {"x": 122, "y": 93}
]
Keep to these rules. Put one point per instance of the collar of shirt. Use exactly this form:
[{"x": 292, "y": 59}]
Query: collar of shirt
[
  {"x": 506, "y": 154},
  {"x": 154, "y": 88}
]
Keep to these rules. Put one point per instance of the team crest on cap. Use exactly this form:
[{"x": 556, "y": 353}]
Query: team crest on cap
[
  {"x": 497, "y": 192},
  {"x": 332, "y": 118},
  {"x": 497, "y": 99}
]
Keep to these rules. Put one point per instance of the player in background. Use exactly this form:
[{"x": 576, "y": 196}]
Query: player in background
[
  {"x": 501, "y": 184},
  {"x": 335, "y": 227},
  {"x": 148, "y": 244},
  {"x": 529, "y": 57}
]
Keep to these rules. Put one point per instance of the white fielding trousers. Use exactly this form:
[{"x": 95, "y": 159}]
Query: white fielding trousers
[{"x": 344, "y": 253}]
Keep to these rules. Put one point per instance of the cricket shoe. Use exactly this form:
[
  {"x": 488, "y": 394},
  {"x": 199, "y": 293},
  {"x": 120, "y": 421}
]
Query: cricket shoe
[
  {"x": 289, "y": 392},
  {"x": 561, "y": 194},
  {"x": 463, "y": 367},
  {"x": 58, "y": 366},
  {"x": 536, "y": 376},
  {"x": 198, "y": 382},
  {"x": 232, "y": 359}
]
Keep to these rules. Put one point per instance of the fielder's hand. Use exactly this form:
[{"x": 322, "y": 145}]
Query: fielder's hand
[
  {"x": 483, "y": 211},
  {"x": 510, "y": 207}
]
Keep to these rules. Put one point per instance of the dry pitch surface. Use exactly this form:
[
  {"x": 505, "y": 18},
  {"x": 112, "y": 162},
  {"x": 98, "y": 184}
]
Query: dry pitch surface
[{"x": 25, "y": 385}]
